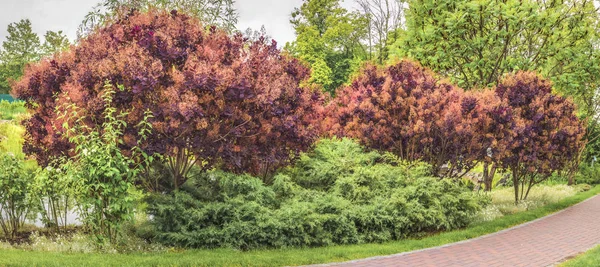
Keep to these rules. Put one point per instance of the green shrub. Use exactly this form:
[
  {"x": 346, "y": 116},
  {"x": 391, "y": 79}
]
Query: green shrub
[
  {"x": 557, "y": 178},
  {"x": 10, "y": 110},
  {"x": 355, "y": 197},
  {"x": 103, "y": 175},
  {"x": 588, "y": 174},
  {"x": 11, "y": 138},
  {"x": 56, "y": 194},
  {"x": 330, "y": 160},
  {"x": 16, "y": 197}
]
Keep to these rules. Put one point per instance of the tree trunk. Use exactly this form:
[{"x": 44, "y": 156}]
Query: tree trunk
[
  {"x": 492, "y": 174},
  {"x": 516, "y": 184},
  {"x": 571, "y": 178},
  {"x": 486, "y": 176},
  {"x": 179, "y": 166},
  {"x": 531, "y": 184},
  {"x": 575, "y": 164}
]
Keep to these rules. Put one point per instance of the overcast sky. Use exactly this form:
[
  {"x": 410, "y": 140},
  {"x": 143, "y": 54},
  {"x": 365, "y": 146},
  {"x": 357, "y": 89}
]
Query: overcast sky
[{"x": 66, "y": 15}]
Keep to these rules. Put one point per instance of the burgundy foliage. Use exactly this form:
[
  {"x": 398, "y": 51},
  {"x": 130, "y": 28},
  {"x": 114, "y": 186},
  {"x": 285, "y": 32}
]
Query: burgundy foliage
[
  {"x": 220, "y": 98},
  {"x": 404, "y": 109},
  {"x": 407, "y": 110},
  {"x": 547, "y": 134},
  {"x": 224, "y": 101}
]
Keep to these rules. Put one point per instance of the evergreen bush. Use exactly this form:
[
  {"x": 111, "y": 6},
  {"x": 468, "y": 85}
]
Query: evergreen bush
[{"x": 337, "y": 194}]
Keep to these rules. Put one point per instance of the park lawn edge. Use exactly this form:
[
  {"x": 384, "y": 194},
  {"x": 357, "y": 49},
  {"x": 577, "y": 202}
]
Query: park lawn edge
[
  {"x": 586, "y": 259},
  {"x": 283, "y": 257}
]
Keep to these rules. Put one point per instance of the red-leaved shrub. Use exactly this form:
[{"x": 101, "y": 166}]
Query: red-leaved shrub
[
  {"x": 546, "y": 133},
  {"x": 215, "y": 99}
]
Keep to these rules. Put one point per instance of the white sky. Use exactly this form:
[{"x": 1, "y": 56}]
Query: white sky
[{"x": 66, "y": 15}]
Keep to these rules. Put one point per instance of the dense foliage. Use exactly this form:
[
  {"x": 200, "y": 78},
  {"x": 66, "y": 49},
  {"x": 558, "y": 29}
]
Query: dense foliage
[
  {"x": 476, "y": 42},
  {"x": 151, "y": 98},
  {"x": 547, "y": 134},
  {"x": 486, "y": 131},
  {"x": 589, "y": 174},
  {"x": 405, "y": 109},
  {"x": 10, "y": 110},
  {"x": 215, "y": 99},
  {"x": 11, "y": 139},
  {"x": 335, "y": 40},
  {"x": 23, "y": 46},
  {"x": 102, "y": 175},
  {"x": 356, "y": 197},
  {"x": 328, "y": 37},
  {"x": 214, "y": 12},
  {"x": 16, "y": 195}
]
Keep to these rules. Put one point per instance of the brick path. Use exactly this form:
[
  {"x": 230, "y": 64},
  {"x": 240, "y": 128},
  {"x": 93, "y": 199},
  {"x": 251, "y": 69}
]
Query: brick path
[{"x": 543, "y": 242}]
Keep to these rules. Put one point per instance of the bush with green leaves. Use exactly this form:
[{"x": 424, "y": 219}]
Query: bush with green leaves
[
  {"x": 588, "y": 174},
  {"x": 56, "y": 193},
  {"x": 16, "y": 198},
  {"x": 10, "y": 110},
  {"x": 103, "y": 175},
  {"x": 337, "y": 194}
]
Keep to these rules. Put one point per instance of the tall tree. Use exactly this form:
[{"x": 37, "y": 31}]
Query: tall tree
[
  {"x": 21, "y": 46},
  {"x": 475, "y": 42},
  {"x": 212, "y": 12},
  {"x": 54, "y": 42},
  {"x": 257, "y": 35},
  {"x": 384, "y": 18},
  {"x": 329, "y": 38}
]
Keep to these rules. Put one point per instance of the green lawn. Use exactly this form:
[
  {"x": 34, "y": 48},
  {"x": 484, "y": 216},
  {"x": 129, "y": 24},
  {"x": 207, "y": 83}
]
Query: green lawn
[
  {"x": 589, "y": 259},
  {"x": 280, "y": 257}
]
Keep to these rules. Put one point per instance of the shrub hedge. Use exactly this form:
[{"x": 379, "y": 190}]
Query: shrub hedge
[
  {"x": 588, "y": 174},
  {"x": 337, "y": 194}
]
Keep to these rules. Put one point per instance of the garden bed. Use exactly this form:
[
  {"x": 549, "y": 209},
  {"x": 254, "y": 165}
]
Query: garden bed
[{"x": 281, "y": 257}]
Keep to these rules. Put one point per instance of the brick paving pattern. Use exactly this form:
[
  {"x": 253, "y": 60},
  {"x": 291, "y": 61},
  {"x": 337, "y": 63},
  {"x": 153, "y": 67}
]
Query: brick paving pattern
[{"x": 543, "y": 242}]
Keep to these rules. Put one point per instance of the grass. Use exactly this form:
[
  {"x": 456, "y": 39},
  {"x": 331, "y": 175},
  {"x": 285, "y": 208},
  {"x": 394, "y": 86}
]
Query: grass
[
  {"x": 588, "y": 259},
  {"x": 280, "y": 257},
  {"x": 503, "y": 200}
]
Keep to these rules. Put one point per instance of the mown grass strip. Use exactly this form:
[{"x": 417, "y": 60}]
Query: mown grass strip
[
  {"x": 283, "y": 257},
  {"x": 588, "y": 259}
]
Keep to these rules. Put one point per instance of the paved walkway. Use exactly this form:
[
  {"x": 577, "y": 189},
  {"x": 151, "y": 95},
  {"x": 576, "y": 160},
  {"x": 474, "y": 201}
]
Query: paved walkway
[{"x": 543, "y": 242}]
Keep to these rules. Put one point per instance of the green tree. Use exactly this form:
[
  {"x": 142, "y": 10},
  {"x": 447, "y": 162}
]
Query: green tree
[
  {"x": 475, "y": 42},
  {"x": 214, "y": 12},
  {"x": 329, "y": 38},
  {"x": 54, "y": 42},
  {"x": 21, "y": 46},
  {"x": 384, "y": 17}
]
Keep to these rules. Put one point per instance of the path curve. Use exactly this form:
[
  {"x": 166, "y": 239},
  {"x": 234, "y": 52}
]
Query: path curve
[{"x": 542, "y": 242}]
